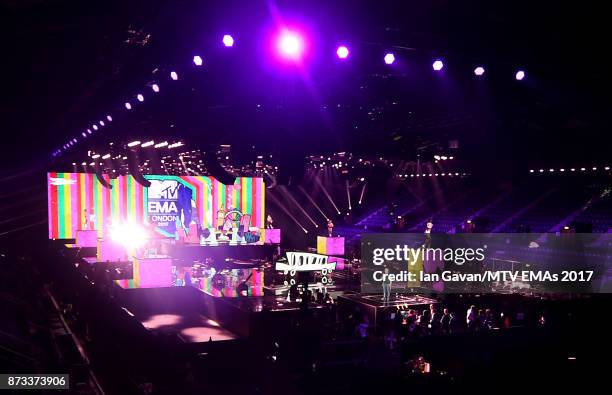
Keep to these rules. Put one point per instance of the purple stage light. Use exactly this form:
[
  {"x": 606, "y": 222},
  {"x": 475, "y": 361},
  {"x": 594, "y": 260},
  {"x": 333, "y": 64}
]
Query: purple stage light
[
  {"x": 83, "y": 134},
  {"x": 290, "y": 45},
  {"x": 389, "y": 58},
  {"x": 519, "y": 75},
  {"x": 109, "y": 118},
  {"x": 173, "y": 75},
  {"x": 479, "y": 71},
  {"x": 88, "y": 131},
  {"x": 197, "y": 60},
  {"x": 128, "y": 105},
  {"x": 95, "y": 127},
  {"x": 101, "y": 123},
  {"x": 342, "y": 52},
  {"x": 155, "y": 88},
  {"x": 437, "y": 65},
  {"x": 140, "y": 97},
  {"x": 228, "y": 40}
]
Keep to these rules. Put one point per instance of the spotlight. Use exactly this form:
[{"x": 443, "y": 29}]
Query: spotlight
[
  {"x": 140, "y": 97},
  {"x": 95, "y": 127},
  {"x": 101, "y": 123},
  {"x": 228, "y": 40},
  {"x": 531, "y": 171},
  {"x": 133, "y": 143},
  {"x": 109, "y": 118},
  {"x": 389, "y": 58},
  {"x": 342, "y": 52},
  {"x": 479, "y": 71},
  {"x": 173, "y": 75},
  {"x": 290, "y": 45},
  {"x": 437, "y": 65},
  {"x": 128, "y": 105},
  {"x": 83, "y": 134},
  {"x": 197, "y": 60},
  {"x": 106, "y": 156},
  {"x": 129, "y": 235},
  {"x": 147, "y": 144},
  {"x": 162, "y": 144},
  {"x": 519, "y": 75},
  {"x": 155, "y": 88}
]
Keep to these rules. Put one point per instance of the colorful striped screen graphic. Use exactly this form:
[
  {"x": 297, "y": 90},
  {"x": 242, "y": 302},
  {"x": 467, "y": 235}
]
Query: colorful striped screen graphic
[{"x": 78, "y": 201}]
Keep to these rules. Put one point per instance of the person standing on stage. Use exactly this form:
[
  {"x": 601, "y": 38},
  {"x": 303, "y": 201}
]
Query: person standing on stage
[
  {"x": 269, "y": 222},
  {"x": 386, "y": 285},
  {"x": 330, "y": 228},
  {"x": 428, "y": 228}
]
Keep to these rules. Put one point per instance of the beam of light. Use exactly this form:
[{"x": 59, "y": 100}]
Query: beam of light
[
  {"x": 437, "y": 65},
  {"x": 313, "y": 202},
  {"x": 389, "y": 58},
  {"x": 287, "y": 193},
  {"x": 348, "y": 195},
  {"x": 342, "y": 52},
  {"x": 290, "y": 45},
  {"x": 134, "y": 143},
  {"x": 228, "y": 40},
  {"x": 326, "y": 193},
  {"x": 282, "y": 206},
  {"x": 362, "y": 192}
]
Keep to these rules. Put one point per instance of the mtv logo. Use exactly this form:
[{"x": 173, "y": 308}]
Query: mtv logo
[{"x": 163, "y": 189}]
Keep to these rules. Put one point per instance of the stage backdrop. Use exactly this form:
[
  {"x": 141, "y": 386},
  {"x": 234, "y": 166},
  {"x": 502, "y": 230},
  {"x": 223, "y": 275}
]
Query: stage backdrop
[{"x": 79, "y": 201}]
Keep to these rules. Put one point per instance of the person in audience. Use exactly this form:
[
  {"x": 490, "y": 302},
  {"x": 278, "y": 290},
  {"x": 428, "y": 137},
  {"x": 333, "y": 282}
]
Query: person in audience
[
  {"x": 471, "y": 318},
  {"x": 445, "y": 322},
  {"x": 481, "y": 320},
  {"x": 434, "y": 321}
]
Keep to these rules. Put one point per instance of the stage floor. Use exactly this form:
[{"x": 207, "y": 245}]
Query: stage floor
[
  {"x": 190, "y": 327},
  {"x": 396, "y": 300}
]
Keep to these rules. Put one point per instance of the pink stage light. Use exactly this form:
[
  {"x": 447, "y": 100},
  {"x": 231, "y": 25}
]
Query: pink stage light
[
  {"x": 437, "y": 65},
  {"x": 88, "y": 131},
  {"x": 197, "y": 60},
  {"x": 479, "y": 71},
  {"x": 290, "y": 45},
  {"x": 109, "y": 118},
  {"x": 155, "y": 88},
  {"x": 173, "y": 75},
  {"x": 389, "y": 58},
  {"x": 519, "y": 75},
  {"x": 140, "y": 97},
  {"x": 228, "y": 40},
  {"x": 342, "y": 52},
  {"x": 128, "y": 105},
  {"x": 95, "y": 127},
  {"x": 101, "y": 123},
  {"x": 129, "y": 234}
]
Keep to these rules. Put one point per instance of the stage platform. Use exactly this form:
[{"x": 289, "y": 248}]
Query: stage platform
[
  {"x": 373, "y": 304},
  {"x": 190, "y": 327}
]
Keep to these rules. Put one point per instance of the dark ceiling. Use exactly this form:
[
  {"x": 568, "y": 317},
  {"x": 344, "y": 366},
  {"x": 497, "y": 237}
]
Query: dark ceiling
[{"x": 68, "y": 63}]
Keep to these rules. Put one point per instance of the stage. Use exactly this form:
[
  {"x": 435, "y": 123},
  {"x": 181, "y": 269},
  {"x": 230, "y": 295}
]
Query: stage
[{"x": 373, "y": 304}]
